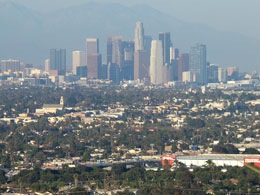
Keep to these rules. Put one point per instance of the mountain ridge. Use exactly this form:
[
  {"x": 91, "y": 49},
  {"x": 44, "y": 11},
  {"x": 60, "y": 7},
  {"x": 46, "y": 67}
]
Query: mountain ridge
[{"x": 28, "y": 35}]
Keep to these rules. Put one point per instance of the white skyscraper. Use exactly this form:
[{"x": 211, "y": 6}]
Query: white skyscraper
[
  {"x": 156, "y": 67},
  {"x": 78, "y": 60},
  {"x": 47, "y": 65},
  {"x": 222, "y": 75},
  {"x": 139, "y": 36}
]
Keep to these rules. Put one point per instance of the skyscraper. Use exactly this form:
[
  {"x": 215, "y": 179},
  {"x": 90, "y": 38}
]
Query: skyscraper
[
  {"x": 115, "y": 50},
  {"x": 92, "y": 46},
  {"x": 115, "y": 57},
  {"x": 233, "y": 73},
  {"x": 198, "y": 63},
  {"x": 165, "y": 37},
  {"x": 222, "y": 75},
  {"x": 147, "y": 43},
  {"x": 94, "y": 59},
  {"x": 78, "y": 60},
  {"x": 141, "y": 64},
  {"x": 174, "y": 53},
  {"x": 156, "y": 67},
  {"x": 10, "y": 65},
  {"x": 139, "y": 36},
  {"x": 183, "y": 64},
  {"x": 58, "y": 60},
  {"x": 127, "y": 71},
  {"x": 94, "y": 65},
  {"x": 47, "y": 65},
  {"x": 212, "y": 72}
]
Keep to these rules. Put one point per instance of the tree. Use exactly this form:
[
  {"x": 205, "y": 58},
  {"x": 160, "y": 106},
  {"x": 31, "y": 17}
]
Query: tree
[
  {"x": 225, "y": 149},
  {"x": 196, "y": 123},
  {"x": 251, "y": 151},
  {"x": 86, "y": 155}
]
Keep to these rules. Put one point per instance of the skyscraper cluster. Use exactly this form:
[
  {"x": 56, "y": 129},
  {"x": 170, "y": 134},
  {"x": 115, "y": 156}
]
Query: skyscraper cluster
[{"x": 154, "y": 61}]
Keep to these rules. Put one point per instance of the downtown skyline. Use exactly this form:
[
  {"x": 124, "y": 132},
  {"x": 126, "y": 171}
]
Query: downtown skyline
[{"x": 223, "y": 48}]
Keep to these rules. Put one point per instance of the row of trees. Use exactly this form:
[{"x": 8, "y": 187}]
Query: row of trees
[{"x": 180, "y": 181}]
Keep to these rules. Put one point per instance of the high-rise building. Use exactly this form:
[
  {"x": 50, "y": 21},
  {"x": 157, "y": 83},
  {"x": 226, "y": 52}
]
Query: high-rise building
[
  {"x": 78, "y": 60},
  {"x": 198, "y": 63},
  {"x": 58, "y": 60},
  {"x": 165, "y": 37},
  {"x": 174, "y": 53},
  {"x": 170, "y": 71},
  {"x": 222, "y": 75},
  {"x": 104, "y": 71},
  {"x": 156, "y": 67},
  {"x": 187, "y": 77},
  {"x": 94, "y": 65},
  {"x": 10, "y": 65},
  {"x": 141, "y": 65},
  {"x": 115, "y": 50},
  {"x": 94, "y": 59},
  {"x": 212, "y": 71},
  {"x": 127, "y": 71},
  {"x": 175, "y": 69},
  {"x": 183, "y": 64},
  {"x": 113, "y": 72},
  {"x": 139, "y": 36},
  {"x": 147, "y": 43},
  {"x": 47, "y": 65},
  {"x": 233, "y": 73},
  {"x": 82, "y": 71},
  {"x": 92, "y": 46}
]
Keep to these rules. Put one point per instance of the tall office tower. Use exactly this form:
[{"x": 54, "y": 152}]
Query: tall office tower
[
  {"x": 104, "y": 71},
  {"x": 141, "y": 65},
  {"x": 10, "y": 65},
  {"x": 183, "y": 64},
  {"x": 94, "y": 65},
  {"x": 212, "y": 72},
  {"x": 78, "y": 58},
  {"x": 233, "y": 73},
  {"x": 175, "y": 67},
  {"x": 127, "y": 71},
  {"x": 58, "y": 60},
  {"x": 174, "y": 53},
  {"x": 82, "y": 71},
  {"x": 156, "y": 67},
  {"x": 139, "y": 36},
  {"x": 165, "y": 37},
  {"x": 222, "y": 75},
  {"x": 113, "y": 72},
  {"x": 94, "y": 59},
  {"x": 147, "y": 43},
  {"x": 92, "y": 46},
  {"x": 115, "y": 50},
  {"x": 115, "y": 56},
  {"x": 198, "y": 63},
  {"x": 47, "y": 65},
  {"x": 169, "y": 72}
]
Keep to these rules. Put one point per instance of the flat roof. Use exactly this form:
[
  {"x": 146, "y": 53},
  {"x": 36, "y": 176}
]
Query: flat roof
[{"x": 216, "y": 157}]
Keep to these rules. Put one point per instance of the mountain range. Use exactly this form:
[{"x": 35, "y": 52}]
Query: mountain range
[{"x": 27, "y": 35}]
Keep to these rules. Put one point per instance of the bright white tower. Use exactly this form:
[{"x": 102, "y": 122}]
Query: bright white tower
[
  {"x": 156, "y": 67},
  {"x": 78, "y": 60}
]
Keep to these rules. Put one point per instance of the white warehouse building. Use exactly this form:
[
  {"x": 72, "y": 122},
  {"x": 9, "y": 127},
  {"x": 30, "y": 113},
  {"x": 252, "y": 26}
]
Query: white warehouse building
[{"x": 217, "y": 159}]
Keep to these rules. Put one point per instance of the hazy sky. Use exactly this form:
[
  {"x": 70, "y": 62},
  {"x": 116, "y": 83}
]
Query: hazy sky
[{"x": 227, "y": 15}]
